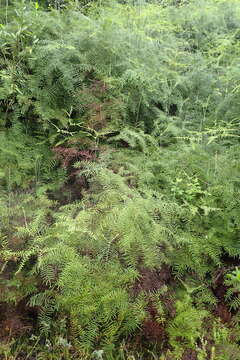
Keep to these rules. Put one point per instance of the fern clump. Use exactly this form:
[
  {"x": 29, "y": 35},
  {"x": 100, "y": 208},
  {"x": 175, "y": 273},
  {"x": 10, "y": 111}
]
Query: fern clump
[
  {"x": 119, "y": 179},
  {"x": 187, "y": 325}
]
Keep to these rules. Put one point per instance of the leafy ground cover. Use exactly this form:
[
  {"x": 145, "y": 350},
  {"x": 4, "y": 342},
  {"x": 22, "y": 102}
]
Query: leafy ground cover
[{"x": 119, "y": 180}]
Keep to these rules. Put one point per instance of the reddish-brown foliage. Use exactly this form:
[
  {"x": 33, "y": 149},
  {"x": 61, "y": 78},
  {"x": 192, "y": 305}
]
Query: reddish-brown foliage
[
  {"x": 15, "y": 320},
  {"x": 67, "y": 156},
  {"x": 149, "y": 282},
  {"x": 220, "y": 289},
  {"x": 189, "y": 354},
  {"x": 152, "y": 280},
  {"x": 153, "y": 331}
]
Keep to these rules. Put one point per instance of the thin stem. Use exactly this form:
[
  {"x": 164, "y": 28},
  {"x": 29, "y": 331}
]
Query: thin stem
[{"x": 6, "y": 12}]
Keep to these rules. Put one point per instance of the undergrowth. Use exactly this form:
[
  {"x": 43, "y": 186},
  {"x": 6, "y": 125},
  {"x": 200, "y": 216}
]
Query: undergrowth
[{"x": 119, "y": 180}]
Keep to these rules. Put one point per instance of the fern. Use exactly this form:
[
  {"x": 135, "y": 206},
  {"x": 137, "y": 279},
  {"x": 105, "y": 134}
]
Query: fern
[
  {"x": 139, "y": 102},
  {"x": 186, "y": 327}
]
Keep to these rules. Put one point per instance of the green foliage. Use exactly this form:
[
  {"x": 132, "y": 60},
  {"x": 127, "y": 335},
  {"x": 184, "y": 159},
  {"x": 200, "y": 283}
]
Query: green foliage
[
  {"x": 27, "y": 162},
  {"x": 232, "y": 281},
  {"x": 186, "y": 327},
  {"x": 131, "y": 108},
  {"x": 63, "y": 78}
]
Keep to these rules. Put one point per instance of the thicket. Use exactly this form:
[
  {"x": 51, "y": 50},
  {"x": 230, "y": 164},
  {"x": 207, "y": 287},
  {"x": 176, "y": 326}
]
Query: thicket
[{"x": 119, "y": 180}]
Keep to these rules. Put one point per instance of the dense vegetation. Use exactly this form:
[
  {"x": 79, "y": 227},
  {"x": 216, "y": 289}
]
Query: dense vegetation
[{"x": 119, "y": 180}]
